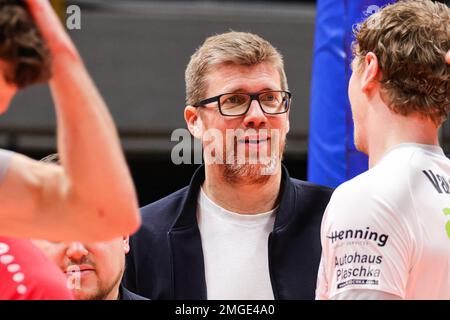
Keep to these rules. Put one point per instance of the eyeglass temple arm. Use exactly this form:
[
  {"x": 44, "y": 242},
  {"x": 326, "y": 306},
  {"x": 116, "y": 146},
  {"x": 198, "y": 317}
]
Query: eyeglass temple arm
[{"x": 206, "y": 101}]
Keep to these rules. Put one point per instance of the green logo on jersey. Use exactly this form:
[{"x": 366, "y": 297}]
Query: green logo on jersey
[{"x": 447, "y": 226}]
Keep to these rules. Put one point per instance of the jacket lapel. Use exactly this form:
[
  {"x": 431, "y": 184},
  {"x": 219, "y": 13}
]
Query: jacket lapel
[
  {"x": 188, "y": 271},
  {"x": 294, "y": 245}
]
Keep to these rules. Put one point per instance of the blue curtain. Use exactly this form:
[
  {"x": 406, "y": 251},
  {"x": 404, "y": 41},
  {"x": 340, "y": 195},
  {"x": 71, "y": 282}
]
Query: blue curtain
[{"x": 332, "y": 157}]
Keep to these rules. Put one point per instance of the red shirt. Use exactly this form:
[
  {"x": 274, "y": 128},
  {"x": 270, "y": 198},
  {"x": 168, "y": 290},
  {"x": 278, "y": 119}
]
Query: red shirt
[{"x": 27, "y": 274}]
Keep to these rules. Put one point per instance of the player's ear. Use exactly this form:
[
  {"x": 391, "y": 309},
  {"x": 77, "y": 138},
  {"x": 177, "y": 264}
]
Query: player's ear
[
  {"x": 371, "y": 72},
  {"x": 126, "y": 244}
]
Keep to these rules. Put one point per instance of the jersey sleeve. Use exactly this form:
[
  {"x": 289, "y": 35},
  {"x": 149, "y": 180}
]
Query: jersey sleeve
[
  {"x": 367, "y": 245},
  {"x": 5, "y": 158},
  {"x": 26, "y": 274}
]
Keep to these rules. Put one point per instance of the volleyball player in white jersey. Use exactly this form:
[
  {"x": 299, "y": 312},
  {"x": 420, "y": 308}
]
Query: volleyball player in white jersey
[
  {"x": 91, "y": 197},
  {"x": 386, "y": 233}
]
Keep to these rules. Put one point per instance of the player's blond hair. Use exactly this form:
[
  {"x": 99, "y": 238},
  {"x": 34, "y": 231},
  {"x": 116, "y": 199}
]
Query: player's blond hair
[{"x": 410, "y": 40}]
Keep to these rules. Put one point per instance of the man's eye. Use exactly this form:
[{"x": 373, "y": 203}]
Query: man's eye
[
  {"x": 269, "y": 97},
  {"x": 234, "y": 100}
]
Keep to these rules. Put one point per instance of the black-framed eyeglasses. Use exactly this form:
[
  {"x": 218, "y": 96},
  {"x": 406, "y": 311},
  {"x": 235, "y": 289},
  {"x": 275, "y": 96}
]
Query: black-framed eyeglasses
[{"x": 238, "y": 104}]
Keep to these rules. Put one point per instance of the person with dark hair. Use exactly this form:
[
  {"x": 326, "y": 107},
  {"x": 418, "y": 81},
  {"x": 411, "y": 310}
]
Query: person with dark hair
[
  {"x": 386, "y": 233},
  {"x": 25, "y": 57},
  {"x": 93, "y": 270},
  {"x": 91, "y": 196},
  {"x": 59, "y": 202}
]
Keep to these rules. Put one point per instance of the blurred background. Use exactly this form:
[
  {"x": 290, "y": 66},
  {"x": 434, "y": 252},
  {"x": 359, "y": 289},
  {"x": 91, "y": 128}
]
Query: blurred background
[{"x": 136, "y": 51}]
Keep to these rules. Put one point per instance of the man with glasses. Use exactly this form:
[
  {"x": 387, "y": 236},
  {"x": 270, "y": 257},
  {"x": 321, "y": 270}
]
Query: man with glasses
[{"x": 242, "y": 229}]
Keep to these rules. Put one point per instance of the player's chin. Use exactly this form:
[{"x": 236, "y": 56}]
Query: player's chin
[
  {"x": 84, "y": 296},
  {"x": 85, "y": 293},
  {"x": 359, "y": 144}
]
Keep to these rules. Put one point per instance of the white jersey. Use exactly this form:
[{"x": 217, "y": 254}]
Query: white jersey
[
  {"x": 388, "y": 229},
  {"x": 235, "y": 251},
  {"x": 5, "y": 157}
]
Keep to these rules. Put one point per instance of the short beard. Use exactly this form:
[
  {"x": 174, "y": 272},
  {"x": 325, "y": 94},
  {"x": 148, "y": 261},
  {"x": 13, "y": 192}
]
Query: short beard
[
  {"x": 251, "y": 174},
  {"x": 103, "y": 292}
]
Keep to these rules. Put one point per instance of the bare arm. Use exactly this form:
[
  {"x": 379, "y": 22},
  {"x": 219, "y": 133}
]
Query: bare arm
[{"x": 91, "y": 197}]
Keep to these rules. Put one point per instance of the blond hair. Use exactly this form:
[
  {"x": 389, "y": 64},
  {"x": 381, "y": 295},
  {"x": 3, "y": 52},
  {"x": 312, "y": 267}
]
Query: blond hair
[
  {"x": 235, "y": 48},
  {"x": 410, "y": 40}
]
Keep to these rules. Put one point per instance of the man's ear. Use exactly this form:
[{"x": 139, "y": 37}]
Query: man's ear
[
  {"x": 193, "y": 121},
  {"x": 288, "y": 124},
  {"x": 447, "y": 57},
  {"x": 126, "y": 244},
  {"x": 371, "y": 72}
]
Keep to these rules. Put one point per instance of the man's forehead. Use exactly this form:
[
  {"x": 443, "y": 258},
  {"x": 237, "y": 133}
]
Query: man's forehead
[
  {"x": 242, "y": 78},
  {"x": 229, "y": 69}
]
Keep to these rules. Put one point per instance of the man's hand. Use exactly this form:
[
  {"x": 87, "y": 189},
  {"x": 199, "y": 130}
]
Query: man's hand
[{"x": 51, "y": 27}]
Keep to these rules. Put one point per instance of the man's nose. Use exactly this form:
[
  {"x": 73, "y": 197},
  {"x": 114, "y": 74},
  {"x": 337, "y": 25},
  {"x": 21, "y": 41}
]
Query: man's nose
[
  {"x": 76, "y": 250},
  {"x": 255, "y": 117}
]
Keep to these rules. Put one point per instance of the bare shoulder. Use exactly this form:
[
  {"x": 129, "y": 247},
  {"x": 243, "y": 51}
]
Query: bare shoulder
[
  {"x": 27, "y": 187},
  {"x": 28, "y": 174}
]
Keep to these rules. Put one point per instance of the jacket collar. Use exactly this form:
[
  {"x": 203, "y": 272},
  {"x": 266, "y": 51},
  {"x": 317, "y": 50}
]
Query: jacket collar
[
  {"x": 188, "y": 274},
  {"x": 187, "y": 216},
  {"x": 125, "y": 294}
]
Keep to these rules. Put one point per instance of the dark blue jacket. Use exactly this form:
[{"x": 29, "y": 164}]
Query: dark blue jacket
[
  {"x": 125, "y": 294},
  {"x": 166, "y": 258}
]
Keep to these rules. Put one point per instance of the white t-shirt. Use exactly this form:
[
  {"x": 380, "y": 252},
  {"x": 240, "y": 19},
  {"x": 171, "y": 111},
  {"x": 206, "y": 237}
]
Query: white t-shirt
[
  {"x": 235, "y": 251},
  {"x": 388, "y": 229}
]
